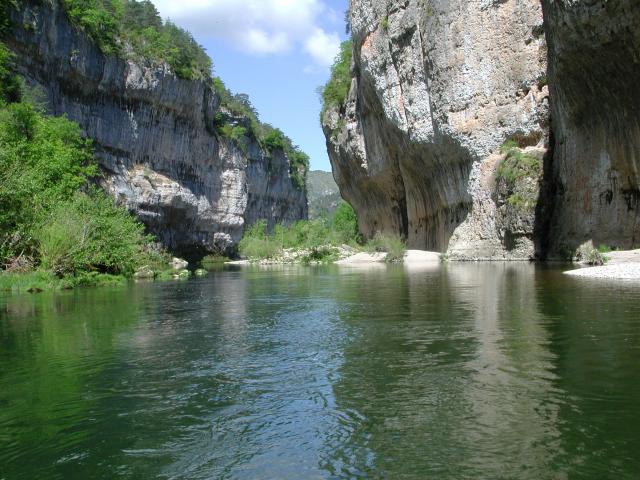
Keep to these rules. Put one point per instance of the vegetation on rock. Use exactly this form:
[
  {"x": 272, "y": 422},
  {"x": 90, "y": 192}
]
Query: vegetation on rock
[
  {"x": 335, "y": 92},
  {"x": 51, "y": 219},
  {"x": 514, "y": 171},
  {"x": 238, "y": 119},
  {"x": 116, "y": 24}
]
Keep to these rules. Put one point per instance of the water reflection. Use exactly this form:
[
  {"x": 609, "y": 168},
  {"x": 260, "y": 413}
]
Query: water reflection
[{"x": 454, "y": 371}]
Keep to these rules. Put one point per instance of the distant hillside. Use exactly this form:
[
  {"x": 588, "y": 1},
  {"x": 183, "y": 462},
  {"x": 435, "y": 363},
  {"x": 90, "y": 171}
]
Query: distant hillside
[{"x": 322, "y": 193}]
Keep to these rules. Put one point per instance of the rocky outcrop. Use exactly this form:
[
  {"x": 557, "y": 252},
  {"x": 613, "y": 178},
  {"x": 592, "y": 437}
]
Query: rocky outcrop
[
  {"x": 594, "y": 73},
  {"x": 439, "y": 86},
  {"x": 155, "y": 138}
]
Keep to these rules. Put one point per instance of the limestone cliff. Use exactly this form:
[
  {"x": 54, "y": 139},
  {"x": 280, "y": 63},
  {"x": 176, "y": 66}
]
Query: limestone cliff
[
  {"x": 155, "y": 138},
  {"x": 446, "y": 130},
  {"x": 594, "y": 73}
]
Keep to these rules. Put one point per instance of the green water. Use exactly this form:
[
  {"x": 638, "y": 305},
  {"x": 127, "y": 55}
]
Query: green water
[{"x": 462, "y": 371}]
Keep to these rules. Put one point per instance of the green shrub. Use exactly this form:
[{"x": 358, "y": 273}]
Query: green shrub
[
  {"x": 384, "y": 23},
  {"x": 274, "y": 139},
  {"x": 319, "y": 236},
  {"x": 392, "y": 244},
  {"x": 517, "y": 164},
  {"x": 113, "y": 23},
  {"x": 100, "y": 19},
  {"x": 345, "y": 224},
  {"x": 257, "y": 243},
  {"x": 90, "y": 233},
  {"x": 337, "y": 88},
  {"x": 43, "y": 161},
  {"x": 9, "y": 82}
]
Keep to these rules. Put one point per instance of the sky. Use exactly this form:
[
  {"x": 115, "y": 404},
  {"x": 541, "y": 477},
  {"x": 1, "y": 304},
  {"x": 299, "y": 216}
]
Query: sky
[{"x": 276, "y": 51}]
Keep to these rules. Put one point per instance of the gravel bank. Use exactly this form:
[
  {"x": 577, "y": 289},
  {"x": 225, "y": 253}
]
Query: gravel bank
[{"x": 623, "y": 271}]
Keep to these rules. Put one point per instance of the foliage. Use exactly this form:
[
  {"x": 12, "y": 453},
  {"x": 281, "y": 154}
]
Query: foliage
[
  {"x": 113, "y": 23},
  {"x": 517, "y": 164},
  {"x": 604, "y": 248},
  {"x": 274, "y": 139},
  {"x": 257, "y": 243},
  {"x": 313, "y": 235},
  {"x": 384, "y": 23},
  {"x": 235, "y": 132},
  {"x": 237, "y": 105},
  {"x": 392, "y": 244},
  {"x": 100, "y": 19},
  {"x": 345, "y": 223},
  {"x": 43, "y": 161},
  {"x": 336, "y": 89},
  {"x": 90, "y": 233},
  {"x": 9, "y": 83}
]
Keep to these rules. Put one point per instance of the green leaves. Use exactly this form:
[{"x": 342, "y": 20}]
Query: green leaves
[
  {"x": 337, "y": 88},
  {"x": 89, "y": 232},
  {"x": 43, "y": 160},
  {"x": 111, "y": 23}
]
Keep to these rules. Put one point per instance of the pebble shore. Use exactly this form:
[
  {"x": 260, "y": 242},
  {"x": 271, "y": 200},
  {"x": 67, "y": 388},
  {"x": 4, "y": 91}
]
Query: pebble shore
[{"x": 621, "y": 271}]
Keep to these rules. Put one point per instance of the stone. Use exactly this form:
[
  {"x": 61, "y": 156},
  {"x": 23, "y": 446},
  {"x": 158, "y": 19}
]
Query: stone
[
  {"x": 421, "y": 256},
  {"x": 439, "y": 87},
  {"x": 363, "y": 258},
  {"x": 154, "y": 137},
  {"x": 179, "y": 263},
  {"x": 144, "y": 273}
]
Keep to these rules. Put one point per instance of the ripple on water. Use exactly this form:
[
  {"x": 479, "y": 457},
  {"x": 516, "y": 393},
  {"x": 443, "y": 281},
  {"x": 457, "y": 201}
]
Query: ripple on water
[{"x": 466, "y": 371}]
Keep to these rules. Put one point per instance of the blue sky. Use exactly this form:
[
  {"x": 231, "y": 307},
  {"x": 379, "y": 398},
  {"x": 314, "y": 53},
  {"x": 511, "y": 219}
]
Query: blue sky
[{"x": 276, "y": 51}]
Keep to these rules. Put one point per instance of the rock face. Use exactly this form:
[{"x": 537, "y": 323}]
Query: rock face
[
  {"x": 594, "y": 73},
  {"x": 439, "y": 86},
  {"x": 155, "y": 138}
]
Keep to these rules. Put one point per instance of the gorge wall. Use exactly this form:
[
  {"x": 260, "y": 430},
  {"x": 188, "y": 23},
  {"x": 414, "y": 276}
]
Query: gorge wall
[
  {"x": 155, "y": 138},
  {"x": 491, "y": 130}
]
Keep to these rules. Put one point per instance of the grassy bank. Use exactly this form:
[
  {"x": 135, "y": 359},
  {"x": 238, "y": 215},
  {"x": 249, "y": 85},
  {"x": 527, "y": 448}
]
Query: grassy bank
[{"x": 324, "y": 240}]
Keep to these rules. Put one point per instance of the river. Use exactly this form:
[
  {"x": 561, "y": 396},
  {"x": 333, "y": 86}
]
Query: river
[{"x": 483, "y": 371}]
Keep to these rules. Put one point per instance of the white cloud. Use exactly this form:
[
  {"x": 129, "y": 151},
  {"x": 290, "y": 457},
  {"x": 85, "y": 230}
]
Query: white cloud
[
  {"x": 259, "y": 27},
  {"x": 323, "y": 46}
]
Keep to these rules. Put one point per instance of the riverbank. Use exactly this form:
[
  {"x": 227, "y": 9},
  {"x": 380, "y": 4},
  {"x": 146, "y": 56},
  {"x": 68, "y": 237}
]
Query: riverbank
[
  {"x": 36, "y": 281},
  {"x": 343, "y": 255},
  {"x": 621, "y": 265}
]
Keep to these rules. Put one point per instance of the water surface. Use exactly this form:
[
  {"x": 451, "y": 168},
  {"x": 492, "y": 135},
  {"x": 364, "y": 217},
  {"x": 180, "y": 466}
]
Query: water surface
[{"x": 453, "y": 372}]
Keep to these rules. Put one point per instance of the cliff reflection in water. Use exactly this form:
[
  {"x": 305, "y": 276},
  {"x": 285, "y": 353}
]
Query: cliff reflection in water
[{"x": 452, "y": 371}]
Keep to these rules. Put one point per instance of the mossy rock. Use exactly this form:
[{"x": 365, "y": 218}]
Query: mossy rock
[
  {"x": 182, "y": 274},
  {"x": 201, "y": 272}
]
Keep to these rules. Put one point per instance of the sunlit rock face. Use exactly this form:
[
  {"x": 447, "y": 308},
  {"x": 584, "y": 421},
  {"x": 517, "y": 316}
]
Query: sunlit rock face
[
  {"x": 594, "y": 74},
  {"x": 154, "y": 136},
  {"x": 438, "y": 86}
]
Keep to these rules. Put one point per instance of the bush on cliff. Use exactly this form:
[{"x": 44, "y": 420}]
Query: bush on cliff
[
  {"x": 113, "y": 23},
  {"x": 335, "y": 92}
]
